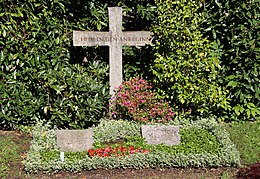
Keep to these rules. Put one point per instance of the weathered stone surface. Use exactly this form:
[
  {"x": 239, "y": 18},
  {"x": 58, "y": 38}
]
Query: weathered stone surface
[
  {"x": 74, "y": 140},
  {"x": 168, "y": 135},
  {"x": 115, "y": 39}
]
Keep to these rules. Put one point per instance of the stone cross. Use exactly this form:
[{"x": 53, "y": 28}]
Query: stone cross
[{"x": 115, "y": 39}]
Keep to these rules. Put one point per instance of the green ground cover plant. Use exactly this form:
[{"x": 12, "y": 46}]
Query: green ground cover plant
[{"x": 220, "y": 151}]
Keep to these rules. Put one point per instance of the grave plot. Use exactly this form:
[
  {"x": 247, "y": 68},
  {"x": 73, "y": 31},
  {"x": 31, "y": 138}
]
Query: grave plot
[
  {"x": 124, "y": 144},
  {"x": 119, "y": 144}
]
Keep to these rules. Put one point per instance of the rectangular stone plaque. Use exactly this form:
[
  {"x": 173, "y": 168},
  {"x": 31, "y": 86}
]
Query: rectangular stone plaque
[
  {"x": 168, "y": 135},
  {"x": 74, "y": 140}
]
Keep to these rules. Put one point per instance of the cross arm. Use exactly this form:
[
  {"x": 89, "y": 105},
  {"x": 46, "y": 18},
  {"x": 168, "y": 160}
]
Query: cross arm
[{"x": 136, "y": 38}]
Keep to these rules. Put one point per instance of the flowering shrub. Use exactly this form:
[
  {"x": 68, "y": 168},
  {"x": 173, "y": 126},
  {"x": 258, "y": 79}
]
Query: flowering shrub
[
  {"x": 117, "y": 151},
  {"x": 135, "y": 99}
]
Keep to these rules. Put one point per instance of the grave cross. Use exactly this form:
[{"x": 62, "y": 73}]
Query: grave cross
[{"x": 115, "y": 39}]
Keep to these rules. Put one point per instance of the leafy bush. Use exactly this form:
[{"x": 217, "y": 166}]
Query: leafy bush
[
  {"x": 76, "y": 96},
  {"x": 42, "y": 76},
  {"x": 235, "y": 26},
  {"x": 135, "y": 100},
  {"x": 187, "y": 64},
  {"x": 227, "y": 155}
]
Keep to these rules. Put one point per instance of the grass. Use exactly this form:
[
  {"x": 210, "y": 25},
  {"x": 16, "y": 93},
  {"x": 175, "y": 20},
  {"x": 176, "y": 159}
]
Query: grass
[
  {"x": 11, "y": 151},
  {"x": 8, "y": 154},
  {"x": 246, "y": 137}
]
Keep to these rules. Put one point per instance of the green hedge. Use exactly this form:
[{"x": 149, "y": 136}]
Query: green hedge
[
  {"x": 44, "y": 141},
  {"x": 42, "y": 75},
  {"x": 207, "y": 57},
  {"x": 234, "y": 26},
  {"x": 187, "y": 64}
]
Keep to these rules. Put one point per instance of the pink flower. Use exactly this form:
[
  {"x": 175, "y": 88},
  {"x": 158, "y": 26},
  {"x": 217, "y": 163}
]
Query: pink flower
[
  {"x": 136, "y": 100},
  {"x": 131, "y": 151},
  {"x": 99, "y": 154},
  {"x": 98, "y": 151},
  {"x": 124, "y": 103},
  {"x": 136, "y": 88},
  {"x": 107, "y": 149}
]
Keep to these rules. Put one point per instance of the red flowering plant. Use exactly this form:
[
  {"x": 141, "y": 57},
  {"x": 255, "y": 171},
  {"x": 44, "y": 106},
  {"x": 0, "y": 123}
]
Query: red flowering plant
[
  {"x": 117, "y": 151},
  {"x": 136, "y": 100}
]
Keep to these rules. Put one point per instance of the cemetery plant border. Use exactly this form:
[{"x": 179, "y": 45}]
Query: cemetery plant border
[{"x": 44, "y": 139}]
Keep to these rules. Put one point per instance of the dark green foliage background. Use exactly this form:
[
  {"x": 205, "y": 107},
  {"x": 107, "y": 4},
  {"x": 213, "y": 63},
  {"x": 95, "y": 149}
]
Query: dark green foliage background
[
  {"x": 197, "y": 83},
  {"x": 42, "y": 74},
  {"x": 235, "y": 27}
]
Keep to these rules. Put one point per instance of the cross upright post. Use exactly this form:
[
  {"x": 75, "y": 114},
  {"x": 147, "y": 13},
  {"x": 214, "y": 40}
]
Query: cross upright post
[
  {"x": 115, "y": 39},
  {"x": 115, "y": 50}
]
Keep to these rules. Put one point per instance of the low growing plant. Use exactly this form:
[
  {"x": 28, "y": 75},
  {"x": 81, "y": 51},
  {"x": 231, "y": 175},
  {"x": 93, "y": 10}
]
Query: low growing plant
[
  {"x": 121, "y": 129},
  {"x": 225, "y": 153},
  {"x": 136, "y": 100}
]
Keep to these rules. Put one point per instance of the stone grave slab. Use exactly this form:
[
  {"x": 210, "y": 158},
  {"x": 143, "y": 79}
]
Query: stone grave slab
[
  {"x": 74, "y": 140},
  {"x": 168, "y": 135}
]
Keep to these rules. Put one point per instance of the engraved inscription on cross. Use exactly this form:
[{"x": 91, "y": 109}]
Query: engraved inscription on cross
[{"x": 115, "y": 39}]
